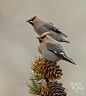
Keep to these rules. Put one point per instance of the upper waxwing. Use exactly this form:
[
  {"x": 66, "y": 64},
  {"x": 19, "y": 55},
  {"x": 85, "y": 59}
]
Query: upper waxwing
[
  {"x": 42, "y": 26},
  {"x": 52, "y": 50}
]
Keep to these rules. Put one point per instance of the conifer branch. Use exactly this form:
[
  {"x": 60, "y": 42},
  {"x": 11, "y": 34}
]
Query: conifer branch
[{"x": 44, "y": 79}]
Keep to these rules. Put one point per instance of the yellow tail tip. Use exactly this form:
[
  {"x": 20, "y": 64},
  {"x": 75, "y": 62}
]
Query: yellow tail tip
[
  {"x": 76, "y": 65},
  {"x": 70, "y": 42}
]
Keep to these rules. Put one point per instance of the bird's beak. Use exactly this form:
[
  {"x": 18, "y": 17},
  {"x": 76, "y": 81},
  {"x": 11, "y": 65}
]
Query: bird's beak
[
  {"x": 29, "y": 21},
  {"x": 39, "y": 39}
]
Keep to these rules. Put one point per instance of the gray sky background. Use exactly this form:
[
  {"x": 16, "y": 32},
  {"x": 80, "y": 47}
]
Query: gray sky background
[{"x": 18, "y": 43}]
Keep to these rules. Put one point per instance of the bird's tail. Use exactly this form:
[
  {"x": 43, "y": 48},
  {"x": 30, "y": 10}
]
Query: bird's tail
[
  {"x": 68, "y": 42},
  {"x": 70, "y": 60},
  {"x": 73, "y": 62},
  {"x": 63, "y": 34}
]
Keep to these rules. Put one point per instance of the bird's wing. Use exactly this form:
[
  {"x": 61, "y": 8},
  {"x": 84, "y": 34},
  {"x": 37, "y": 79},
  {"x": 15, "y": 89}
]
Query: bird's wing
[
  {"x": 52, "y": 27},
  {"x": 56, "y": 49}
]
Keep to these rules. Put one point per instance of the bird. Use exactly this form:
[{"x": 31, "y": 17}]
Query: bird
[
  {"x": 53, "y": 50},
  {"x": 42, "y": 26}
]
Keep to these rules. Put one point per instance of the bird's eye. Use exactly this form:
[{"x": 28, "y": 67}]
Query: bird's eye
[{"x": 43, "y": 37}]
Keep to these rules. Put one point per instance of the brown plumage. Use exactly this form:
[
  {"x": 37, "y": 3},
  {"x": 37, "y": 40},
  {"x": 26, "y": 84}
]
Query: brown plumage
[
  {"x": 52, "y": 50},
  {"x": 42, "y": 26}
]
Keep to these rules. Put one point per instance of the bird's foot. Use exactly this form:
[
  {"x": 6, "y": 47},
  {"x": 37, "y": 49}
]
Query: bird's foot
[{"x": 53, "y": 63}]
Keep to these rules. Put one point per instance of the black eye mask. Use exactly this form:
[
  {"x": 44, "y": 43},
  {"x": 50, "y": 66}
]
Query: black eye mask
[
  {"x": 43, "y": 37},
  {"x": 39, "y": 39}
]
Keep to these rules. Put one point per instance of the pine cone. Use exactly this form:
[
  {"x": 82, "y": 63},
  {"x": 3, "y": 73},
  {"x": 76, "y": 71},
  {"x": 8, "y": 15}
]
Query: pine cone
[
  {"x": 44, "y": 90},
  {"x": 47, "y": 68},
  {"x": 53, "y": 89},
  {"x": 35, "y": 66},
  {"x": 56, "y": 89},
  {"x": 50, "y": 71}
]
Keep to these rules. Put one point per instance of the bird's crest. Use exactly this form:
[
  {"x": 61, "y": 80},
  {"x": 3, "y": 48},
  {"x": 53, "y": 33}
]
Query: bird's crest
[{"x": 32, "y": 18}]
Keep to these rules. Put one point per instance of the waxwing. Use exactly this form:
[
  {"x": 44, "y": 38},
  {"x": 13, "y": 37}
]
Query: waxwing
[
  {"x": 53, "y": 50},
  {"x": 42, "y": 26}
]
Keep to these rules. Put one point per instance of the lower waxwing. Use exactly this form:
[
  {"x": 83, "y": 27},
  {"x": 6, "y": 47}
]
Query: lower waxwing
[{"x": 52, "y": 50}]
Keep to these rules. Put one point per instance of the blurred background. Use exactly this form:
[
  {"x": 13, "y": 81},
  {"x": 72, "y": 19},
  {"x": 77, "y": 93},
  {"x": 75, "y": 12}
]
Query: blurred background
[{"x": 18, "y": 43}]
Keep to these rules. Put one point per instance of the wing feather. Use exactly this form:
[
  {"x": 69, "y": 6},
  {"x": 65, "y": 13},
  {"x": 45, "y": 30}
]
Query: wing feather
[{"x": 52, "y": 27}]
